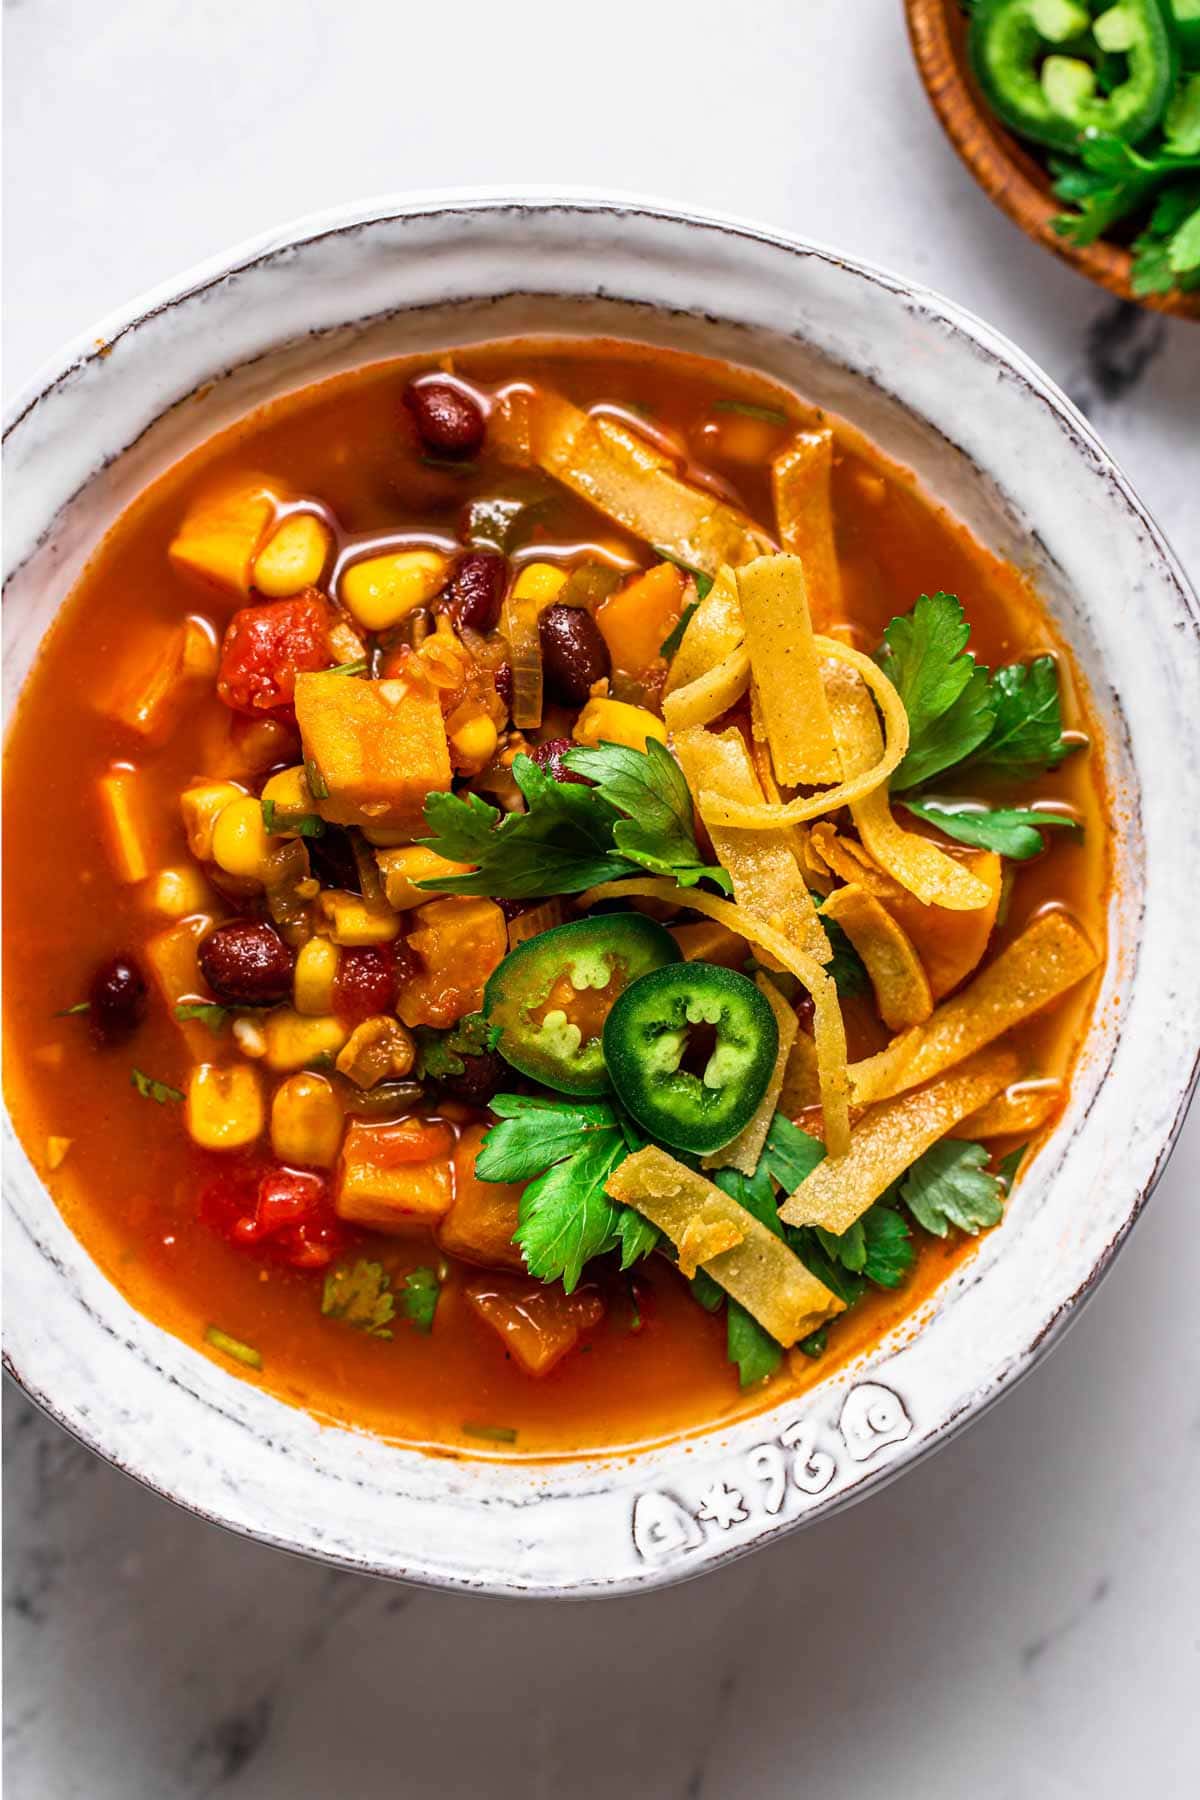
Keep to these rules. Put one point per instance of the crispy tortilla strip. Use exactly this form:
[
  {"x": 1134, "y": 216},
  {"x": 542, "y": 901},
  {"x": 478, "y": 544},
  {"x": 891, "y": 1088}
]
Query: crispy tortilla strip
[
  {"x": 713, "y": 632},
  {"x": 625, "y": 478},
  {"x": 760, "y": 1272},
  {"x": 762, "y": 864},
  {"x": 704, "y": 1238},
  {"x": 1023, "y": 1107},
  {"x": 841, "y": 662},
  {"x": 902, "y": 992},
  {"x": 890, "y": 1137},
  {"x": 710, "y": 695},
  {"x": 829, "y": 1032},
  {"x": 915, "y": 862},
  {"x": 949, "y": 944},
  {"x": 875, "y": 1077},
  {"x": 745, "y": 1149},
  {"x": 1049, "y": 957},
  {"x": 801, "y": 1078},
  {"x": 801, "y": 478},
  {"x": 786, "y": 670}
]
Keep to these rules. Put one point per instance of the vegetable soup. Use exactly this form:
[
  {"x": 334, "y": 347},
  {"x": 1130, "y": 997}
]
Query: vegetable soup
[{"x": 575, "y": 891}]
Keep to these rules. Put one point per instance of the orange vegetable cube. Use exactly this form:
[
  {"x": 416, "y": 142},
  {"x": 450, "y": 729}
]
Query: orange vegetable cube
[
  {"x": 537, "y": 1324},
  {"x": 223, "y": 530},
  {"x": 396, "y": 1177},
  {"x": 638, "y": 618},
  {"x": 459, "y": 941},
  {"x": 129, "y": 823},
  {"x": 480, "y": 1224},
  {"x": 176, "y": 968},
  {"x": 379, "y": 746},
  {"x": 149, "y": 693}
]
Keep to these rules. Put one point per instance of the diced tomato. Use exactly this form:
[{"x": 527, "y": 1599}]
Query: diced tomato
[
  {"x": 366, "y": 980},
  {"x": 284, "y": 1214},
  {"x": 267, "y": 646}
]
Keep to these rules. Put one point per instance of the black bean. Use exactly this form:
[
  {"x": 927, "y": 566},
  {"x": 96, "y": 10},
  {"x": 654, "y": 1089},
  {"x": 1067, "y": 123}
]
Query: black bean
[
  {"x": 475, "y": 591},
  {"x": 247, "y": 964},
  {"x": 448, "y": 419},
  {"x": 574, "y": 655},
  {"x": 117, "y": 1000},
  {"x": 482, "y": 1076}
]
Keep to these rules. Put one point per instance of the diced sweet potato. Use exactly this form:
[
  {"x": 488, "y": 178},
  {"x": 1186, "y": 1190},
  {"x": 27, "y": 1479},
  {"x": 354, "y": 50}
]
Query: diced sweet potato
[
  {"x": 128, "y": 822},
  {"x": 173, "y": 958},
  {"x": 480, "y": 1224},
  {"x": 459, "y": 941},
  {"x": 395, "y": 1177},
  {"x": 638, "y": 618},
  {"x": 379, "y": 746},
  {"x": 537, "y": 1324},
  {"x": 149, "y": 691},
  {"x": 223, "y": 529}
]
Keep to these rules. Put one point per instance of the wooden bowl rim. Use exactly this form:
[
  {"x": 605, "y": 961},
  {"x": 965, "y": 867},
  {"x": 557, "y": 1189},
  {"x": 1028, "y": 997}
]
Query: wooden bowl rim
[{"x": 1005, "y": 168}]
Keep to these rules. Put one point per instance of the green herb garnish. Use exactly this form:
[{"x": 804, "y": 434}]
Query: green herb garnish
[
  {"x": 674, "y": 637},
  {"x": 945, "y": 692},
  {"x": 150, "y": 1089},
  {"x": 1012, "y": 831},
  {"x": 233, "y": 1347},
  {"x": 650, "y": 788},
  {"x": 318, "y": 787},
  {"x": 420, "y": 1297},
  {"x": 360, "y": 1296},
  {"x": 952, "y": 1185},
  {"x": 68, "y": 1012},
  {"x": 302, "y": 824},
  {"x": 205, "y": 1012},
  {"x": 771, "y": 415},
  {"x": 440, "y": 1053},
  {"x": 703, "y": 582},
  {"x": 357, "y": 667},
  {"x": 493, "y": 1434}
]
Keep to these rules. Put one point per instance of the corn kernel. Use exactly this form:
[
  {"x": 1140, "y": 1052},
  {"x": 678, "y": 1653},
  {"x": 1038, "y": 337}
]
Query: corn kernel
[
  {"x": 473, "y": 745},
  {"x": 316, "y": 970},
  {"x": 224, "y": 1106},
  {"x": 604, "y": 721},
  {"x": 382, "y": 590},
  {"x": 402, "y": 869},
  {"x": 240, "y": 844},
  {"x": 306, "y": 1121},
  {"x": 292, "y": 557},
  {"x": 293, "y": 1040},
  {"x": 354, "y": 921},
  {"x": 177, "y": 892},
  {"x": 201, "y": 805},
  {"x": 539, "y": 581}
]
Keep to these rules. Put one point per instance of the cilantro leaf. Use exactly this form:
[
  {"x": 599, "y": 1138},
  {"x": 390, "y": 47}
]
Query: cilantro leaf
[
  {"x": 790, "y": 1155},
  {"x": 1015, "y": 832},
  {"x": 440, "y": 1053},
  {"x": 846, "y": 1248},
  {"x": 1007, "y": 1170},
  {"x": 561, "y": 844},
  {"x": 419, "y": 1299},
  {"x": 945, "y": 692},
  {"x": 205, "y": 1012},
  {"x": 755, "y": 1192},
  {"x": 68, "y": 1012},
  {"x": 649, "y": 787},
  {"x": 276, "y": 818},
  {"x": 360, "y": 1296},
  {"x": 535, "y": 1131},
  {"x": 890, "y": 1250},
  {"x": 750, "y": 1346},
  {"x": 635, "y": 1236},
  {"x": 1026, "y": 737},
  {"x": 674, "y": 637},
  {"x": 816, "y": 1343},
  {"x": 951, "y": 1185},
  {"x": 703, "y": 582},
  {"x": 150, "y": 1089},
  {"x": 706, "y": 1292},
  {"x": 848, "y": 1284}
]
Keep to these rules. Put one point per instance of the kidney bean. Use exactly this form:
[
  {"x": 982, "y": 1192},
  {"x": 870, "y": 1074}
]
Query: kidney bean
[
  {"x": 574, "y": 655},
  {"x": 247, "y": 963},
  {"x": 117, "y": 1000},
  {"x": 549, "y": 756},
  {"x": 503, "y": 680},
  {"x": 448, "y": 419},
  {"x": 482, "y": 1076},
  {"x": 473, "y": 595}
]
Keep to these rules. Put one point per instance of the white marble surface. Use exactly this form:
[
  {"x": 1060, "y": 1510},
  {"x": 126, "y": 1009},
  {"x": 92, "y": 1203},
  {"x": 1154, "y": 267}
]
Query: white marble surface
[{"x": 1017, "y": 1619}]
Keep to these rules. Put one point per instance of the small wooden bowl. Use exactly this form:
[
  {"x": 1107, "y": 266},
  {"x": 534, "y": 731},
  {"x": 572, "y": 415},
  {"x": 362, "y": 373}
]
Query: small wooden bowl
[{"x": 1006, "y": 169}]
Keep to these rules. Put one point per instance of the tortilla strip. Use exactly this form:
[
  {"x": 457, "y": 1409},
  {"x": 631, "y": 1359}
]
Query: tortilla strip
[
  {"x": 889, "y": 1138},
  {"x": 828, "y": 1030},
  {"x": 1049, "y": 957},
  {"x": 801, "y": 478},
  {"x": 786, "y": 671},
  {"x": 760, "y": 1272},
  {"x": 1023, "y": 1107},
  {"x": 902, "y": 992},
  {"x": 713, "y": 632},
  {"x": 915, "y": 862},
  {"x": 766, "y": 877},
  {"x": 702, "y": 1239},
  {"x": 743, "y": 1151},
  {"x": 795, "y": 812},
  {"x": 625, "y": 478},
  {"x": 801, "y": 1079},
  {"x": 710, "y": 695}
]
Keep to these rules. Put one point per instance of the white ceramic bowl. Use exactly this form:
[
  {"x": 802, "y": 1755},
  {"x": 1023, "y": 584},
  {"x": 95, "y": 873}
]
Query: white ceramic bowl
[{"x": 987, "y": 434}]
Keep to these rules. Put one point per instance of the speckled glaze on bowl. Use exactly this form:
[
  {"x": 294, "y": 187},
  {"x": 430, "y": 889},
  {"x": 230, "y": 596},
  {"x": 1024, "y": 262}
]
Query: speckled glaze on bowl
[{"x": 994, "y": 440}]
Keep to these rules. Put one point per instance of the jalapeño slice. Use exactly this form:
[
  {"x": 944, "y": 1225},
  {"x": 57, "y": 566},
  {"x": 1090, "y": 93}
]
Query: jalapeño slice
[
  {"x": 690, "y": 1050},
  {"x": 550, "y": 996}
]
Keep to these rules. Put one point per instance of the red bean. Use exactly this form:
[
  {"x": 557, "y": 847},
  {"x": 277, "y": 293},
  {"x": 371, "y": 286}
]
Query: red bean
[
  {"x": 549, "y": 756},
  {"x": 475, "y": 591},
  {"x": 574, "y": 655},
  {"x": 449, "y": 420},
  {"x": 482, "y": 1076},
  {"x": 117, "y": 1000},
  {"x": 247, "y": 963}
]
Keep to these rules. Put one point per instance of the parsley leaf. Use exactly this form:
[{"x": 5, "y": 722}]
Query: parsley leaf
[
  {"x": 420, "y": 1297},
  {"x": 952, "y": 1185},
  {"x": 569, "y": 1148},
  {"x": 562, "y": 844},
  {"x": 150, "y": 1089},
  {"x": 360, "y": 1296},
  {"x": 890, "y": 1252},
  {"x": 750, "y": 1346},
  {"x": 1007, "y": 1170},
  {"x": 674, "y": 637},
  {"x": 1015, "y": 832},
  {"x": 945, "y": 692},
  {"x": 648, "y": 786},
  {"x": 440, "y": 1053},
  {"x": 755, "y": 1192},
  {"x": 789, "y": 1154},
  {"x": 1026, "y": 735}
]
